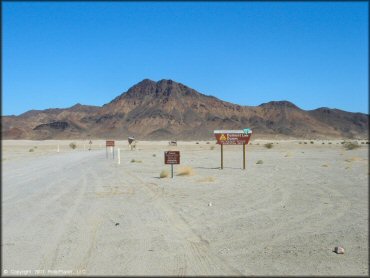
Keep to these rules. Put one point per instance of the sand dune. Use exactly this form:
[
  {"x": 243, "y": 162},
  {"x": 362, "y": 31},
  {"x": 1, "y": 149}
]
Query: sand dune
[{"x": 77, "y": 211}]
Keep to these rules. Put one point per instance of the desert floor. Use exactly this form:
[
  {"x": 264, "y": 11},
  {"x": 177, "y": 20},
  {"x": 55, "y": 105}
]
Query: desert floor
[{"x": 77, "y": 212}]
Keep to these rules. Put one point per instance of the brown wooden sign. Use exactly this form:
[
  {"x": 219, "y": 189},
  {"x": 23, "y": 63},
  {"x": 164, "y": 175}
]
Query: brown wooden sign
[
  {"x": 232, "y": 138},
  {"x": 109, "y": 143},
  {"x": 172, "y": 157}
]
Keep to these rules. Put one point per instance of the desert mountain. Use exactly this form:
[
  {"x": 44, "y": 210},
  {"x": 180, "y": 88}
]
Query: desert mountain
[{"x": 167, "y": 109}]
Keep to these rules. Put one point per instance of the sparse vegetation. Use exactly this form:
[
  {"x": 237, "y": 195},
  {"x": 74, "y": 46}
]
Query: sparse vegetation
[
  {"x": 268, "y": 145},
  {"x": 164, "y": 174},
  {"x": 35, "y": 147},
  {"x": 311, "y": 142},
  {"x": 305, "y": 143},
  {"x": 300, "y": 143},
  {"x": 185, "y": 171},
  {"x": 207, "y": 179},
  {"x": 135, "y": 161},
  {"x": 324, "y": 165},
  {"x": 207, "y": 143},
  {"x": 154, "y": 155},
  {"x": 323, "y": 143},
  {"x": 72, "y": 145},
  {"x": 351, "y": 146},
  {"x": 212, "y": 147},
  {"x": 31, "y": 150},
  {"x": 259, "y": 162},
  {"x": 329, "y": 143},
  {"x": 197, "y": 143}
]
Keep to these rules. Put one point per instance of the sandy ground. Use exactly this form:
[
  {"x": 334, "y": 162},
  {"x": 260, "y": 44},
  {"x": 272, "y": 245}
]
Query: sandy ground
[{"x": 77, "y": 212}]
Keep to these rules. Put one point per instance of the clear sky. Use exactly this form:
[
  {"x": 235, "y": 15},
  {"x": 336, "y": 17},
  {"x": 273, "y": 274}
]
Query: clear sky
[{"x": 57, "y": 54}]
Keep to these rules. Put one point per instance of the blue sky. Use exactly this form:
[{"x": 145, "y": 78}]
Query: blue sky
[{"x": 58, "y": 54}]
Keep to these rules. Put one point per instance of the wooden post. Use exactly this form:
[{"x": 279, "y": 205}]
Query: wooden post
[
  {"x": 244, "y": 156},
  {"x": 222, "y": 156},
  {"x": 172, "y": 171}
]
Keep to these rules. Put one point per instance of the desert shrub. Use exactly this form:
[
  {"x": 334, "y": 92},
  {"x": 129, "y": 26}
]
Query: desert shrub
[
  {"x": 185, "y": 171},
  {"x": 351, "y": 146},
  {"x": 323, "y": 143},
  {"x": 362, "y": 142},
  {"x": 212, "y": 147},
  {"x": 207, "y": 179},
  {"x": 207, "y": 143},
  {"x": 31, "y": 150},
  {"x": 259, "y": 162},
  {"x": 268, "y": 145},
  {"x": 305, "y": 143},
  {"x": 164, "y": 174},
  {"x": 311, "y": 142},
  {"x": 329, "y": 143},
  {"x": 197, "y": 143},
  {"x": 342, "y": 142},
  {"x": 135, "y": 160},
  {"x": 72, "y": 145},
  {"x": 35, "y": 147},
  {"x": 300, "y": 143},
  {"x": 154, "y": 155},
  {"x": 367, "y": 142},
  {"x": 324, "y": 165}
]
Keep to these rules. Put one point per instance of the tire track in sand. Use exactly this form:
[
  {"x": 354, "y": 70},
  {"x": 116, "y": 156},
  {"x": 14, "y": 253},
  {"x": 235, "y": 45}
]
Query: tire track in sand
[{"x": 198, "y": 256}]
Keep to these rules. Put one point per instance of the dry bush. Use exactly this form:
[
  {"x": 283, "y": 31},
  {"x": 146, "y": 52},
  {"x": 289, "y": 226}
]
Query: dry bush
[
  {"x": 329, "y": 143},
  {"x": 212, "y": 147},
  {"x": 305, "y": 143},
  {"x": 300, "y": 143},
  {"x": 185, "y": 171},
  {"x": 197, "y": 143},
  {"x": 207, "y": 179},
  {"x": 207, "y": 143},
  {"x": 268, "y": 145},
  {"x": 323, "y": 143},
  {"x": 164, "y": 174},
  {"x": 324, "y": 165},
  {"x": 31, "y": 150},
  {"x": 154, "y": 155},
  {"x": 35, "y": 147},
  {"x": 311, "y": 142},
  {"x": 259, "y": 162},
  {"x": 72, "y": 145},
  {"x": 135, "y": 160},
  {"x": 351, "y": 146},
  {"x": 353, "y": 159}
]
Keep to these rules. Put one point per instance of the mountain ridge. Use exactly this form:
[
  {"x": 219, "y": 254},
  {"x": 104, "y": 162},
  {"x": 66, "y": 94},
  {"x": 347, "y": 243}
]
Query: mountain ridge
[{"x": 168, "y": 109}]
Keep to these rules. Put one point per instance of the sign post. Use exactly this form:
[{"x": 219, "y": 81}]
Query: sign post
[
  {"x": 222, "y": 156},
  {"x": 109, "y": 143},
  {"x": 232, "y": 137},
  {"x": 172, "y": 157}
]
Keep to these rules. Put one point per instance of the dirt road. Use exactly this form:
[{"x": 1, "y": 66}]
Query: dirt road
[{"x": 78, "y": 212}]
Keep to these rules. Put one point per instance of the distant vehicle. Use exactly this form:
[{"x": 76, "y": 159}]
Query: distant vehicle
[{"x": 173, "y": 143}]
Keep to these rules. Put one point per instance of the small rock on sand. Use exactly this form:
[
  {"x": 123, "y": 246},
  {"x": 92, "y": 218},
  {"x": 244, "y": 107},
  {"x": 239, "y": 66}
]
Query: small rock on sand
[{"x": 339, "y": 250}]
